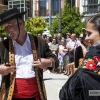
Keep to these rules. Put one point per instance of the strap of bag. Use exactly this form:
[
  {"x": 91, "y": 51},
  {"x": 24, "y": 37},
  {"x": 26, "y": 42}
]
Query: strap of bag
[{"x": 75, "y": 43}]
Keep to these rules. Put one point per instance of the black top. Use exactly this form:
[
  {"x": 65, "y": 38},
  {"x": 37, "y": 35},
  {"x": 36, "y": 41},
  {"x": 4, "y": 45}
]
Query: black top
[
  {"x": 78, "y": 55},
  {"x": 77, "y": 87}
]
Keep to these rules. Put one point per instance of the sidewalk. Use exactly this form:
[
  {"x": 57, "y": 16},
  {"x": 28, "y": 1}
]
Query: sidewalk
[{"x": 53, "y": 84}]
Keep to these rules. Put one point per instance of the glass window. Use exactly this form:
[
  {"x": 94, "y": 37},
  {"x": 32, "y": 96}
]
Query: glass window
[
  {"x": 71, "y": 2},
  {"x": 85, "y": 2},
  {"x": 54, "y": 7},
  {"x": 22, "y": 5},
  {"x": 42, "y": 7},
  {"x": 92, "y": 1},
  {"x": 22, "y": 1},
  {"x": 10, "y": 2},
  {"x": 95, "y": 8},
  {"x": 16, "y": 2},
  {"x": 95, "y": 1},
  {"x": 28, "y": 6},
  {"x": 5, "y": 2},
  {"x": 91, "y": 6},
  {"x": 16, "y": 6},
  {"x": 10, "y": 6},
  {"x": 22, "y": 9},
  {"x": 27, "y": 2},
  {"x": 28, "y": 12}
]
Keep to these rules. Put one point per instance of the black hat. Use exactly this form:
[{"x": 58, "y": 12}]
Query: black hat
[{"x": 10, "y": 14}]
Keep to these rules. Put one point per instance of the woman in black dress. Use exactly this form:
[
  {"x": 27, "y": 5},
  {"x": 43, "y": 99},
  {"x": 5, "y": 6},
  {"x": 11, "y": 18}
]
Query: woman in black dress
[{"x": 87, "y": 77}]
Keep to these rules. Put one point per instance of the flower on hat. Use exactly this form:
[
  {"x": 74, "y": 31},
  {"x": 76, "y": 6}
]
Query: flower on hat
[
  {"x": 96, "y": 59},
  {"x": 92, "y": 63}
]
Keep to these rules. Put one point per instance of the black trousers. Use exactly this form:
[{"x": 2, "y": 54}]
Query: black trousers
[{"x": 24, "y": 99}]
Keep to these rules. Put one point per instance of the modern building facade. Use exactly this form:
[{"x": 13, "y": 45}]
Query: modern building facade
[
  {"x": 89, "y": 7},
  {"x": 22, "y": 5},
  {"x": 46, "y": 8},
  {"x": 49, "y": 8}
]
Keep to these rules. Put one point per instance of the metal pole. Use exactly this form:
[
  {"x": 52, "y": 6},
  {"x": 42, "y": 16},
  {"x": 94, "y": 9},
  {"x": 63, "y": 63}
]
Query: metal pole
[
  {"x": 24, "y": 9},
  {"x": 71, "y": 4},
  {"x": 50, "y": 12},
  {"x": 59, "y": 23}
]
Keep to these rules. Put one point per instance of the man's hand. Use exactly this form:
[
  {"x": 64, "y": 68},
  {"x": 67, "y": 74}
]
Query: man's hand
[
  {"x": 5, "y": 70},
  {"x": 42, "y": 63}
]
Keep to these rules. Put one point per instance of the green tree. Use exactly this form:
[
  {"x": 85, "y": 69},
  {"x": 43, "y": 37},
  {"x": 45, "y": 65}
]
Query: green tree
[
  {"x": 35, "y": 25},
  {"x": 2, "y": 33},
  {"x": 71, "y": 21}
]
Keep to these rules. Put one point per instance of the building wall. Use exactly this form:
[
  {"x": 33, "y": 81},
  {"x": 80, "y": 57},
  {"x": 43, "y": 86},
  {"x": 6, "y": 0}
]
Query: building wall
[
  {"x": 36, "y": 7},
  {"x": 2, "y": 6},
  {"x": 62, "y": 4},
  {"x": 1, "y": 1}
]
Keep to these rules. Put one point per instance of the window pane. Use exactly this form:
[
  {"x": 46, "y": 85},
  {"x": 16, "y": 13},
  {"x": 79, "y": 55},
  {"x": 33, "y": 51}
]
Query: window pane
[
  {"x": 27, "y": 2},
  {"x": 10, "y": 6},
  {"x": 16, "y": 6},
  {"x": 71, "y": 2},
  {"x": 10, "y": 2},
  {"x": 16, "y": 2},
  {"x": 28, "y": 12},
  {"x": 55, "y": 7},
  {"x": 22, "y": 5},
  {"x": 91, "y": 6},
  {"x": 95, "y": 8},
  {"x": 28, "y": 6},
  {"x": 22, "y": 1},
  {"x": 5, "y": 2},
  {"x": 42, "y": 7},
  {"x": 22, "y": 9}
]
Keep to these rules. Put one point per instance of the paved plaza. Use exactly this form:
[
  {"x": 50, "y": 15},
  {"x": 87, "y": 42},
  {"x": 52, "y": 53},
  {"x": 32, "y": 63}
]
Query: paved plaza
[{"x": 53, "y": 83}]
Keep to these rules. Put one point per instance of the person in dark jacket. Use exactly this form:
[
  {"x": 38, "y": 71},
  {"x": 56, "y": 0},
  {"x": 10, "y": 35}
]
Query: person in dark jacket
[
  {"x": 87, "y": 78},
  {"x": 24, "y": 57},
  {"x": 81, "y": 50}
]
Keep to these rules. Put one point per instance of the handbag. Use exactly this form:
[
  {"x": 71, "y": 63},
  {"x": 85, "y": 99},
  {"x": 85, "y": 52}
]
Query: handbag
[
  {"x": 63, "y": 54},
  {"x": 71, "y": 56}
]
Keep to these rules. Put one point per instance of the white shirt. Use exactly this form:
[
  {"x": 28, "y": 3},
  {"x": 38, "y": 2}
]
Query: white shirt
[
  {"x": 74, "y": 44},
  {"x": 24, "y": 59}
]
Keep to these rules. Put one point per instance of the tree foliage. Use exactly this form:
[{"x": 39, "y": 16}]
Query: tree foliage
[
  {"x": 2, "y": 33},
  {"x": 71, "y": 21},
  {"x": 35, "y": 25}
]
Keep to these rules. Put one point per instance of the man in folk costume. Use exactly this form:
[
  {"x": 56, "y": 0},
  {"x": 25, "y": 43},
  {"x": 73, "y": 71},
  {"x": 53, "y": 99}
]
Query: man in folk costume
[{"x": 23, "y": 58}]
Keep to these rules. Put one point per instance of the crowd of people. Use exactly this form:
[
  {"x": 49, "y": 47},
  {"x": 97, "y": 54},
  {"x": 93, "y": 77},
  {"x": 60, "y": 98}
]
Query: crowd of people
[{"x": 67, "y": 49}]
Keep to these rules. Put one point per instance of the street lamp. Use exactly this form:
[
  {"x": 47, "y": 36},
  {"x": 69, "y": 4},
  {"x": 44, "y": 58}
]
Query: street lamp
[{"x": 59, "y": 23}]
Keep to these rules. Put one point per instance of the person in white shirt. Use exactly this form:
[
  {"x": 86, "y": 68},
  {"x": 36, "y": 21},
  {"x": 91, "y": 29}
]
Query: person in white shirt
[
  {"x": 23, "y": 58},
  {"x": 71, "y": 46}
]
